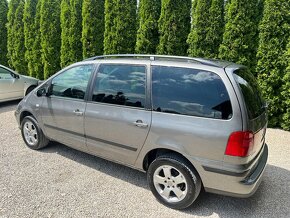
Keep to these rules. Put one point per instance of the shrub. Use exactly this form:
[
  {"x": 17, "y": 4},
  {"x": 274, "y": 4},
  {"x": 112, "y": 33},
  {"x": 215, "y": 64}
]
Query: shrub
[
  {"x": 174, "y": 27},
  {"x": 147, "y": 34}
]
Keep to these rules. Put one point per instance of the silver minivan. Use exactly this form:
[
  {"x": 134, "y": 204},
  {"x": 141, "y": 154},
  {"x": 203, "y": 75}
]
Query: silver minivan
[{"x": 191, "y": 124}]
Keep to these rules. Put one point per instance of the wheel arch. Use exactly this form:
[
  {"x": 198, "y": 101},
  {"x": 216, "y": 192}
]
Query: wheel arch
[
  {"x": 154, "y": 153},
  {"x": 25, "y": 114},
  {"x": 31, "y": 86}
]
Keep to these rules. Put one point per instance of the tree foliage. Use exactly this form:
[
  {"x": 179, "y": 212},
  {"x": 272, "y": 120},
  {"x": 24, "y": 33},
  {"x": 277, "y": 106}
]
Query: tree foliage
[
  {"x": 16, "y": 47},
  {"x": 260, "y": 9},
  {"x": 50, "y": 36},
  {"x": 30, "y": 34},
  {"x": 71, "y": 32},
  {"x": 174, "y": 27},
  {"x": 147, "y": 34},
  {"x": 3, "y": 32},
  {"x": 197, "y": 39},
  {"x": 92, "y": 27},
  {"x": 65, "y": 21},
  {"x": 286, "y": 91},
  {"x": 274, "y": 35},
  {"x": 241, "y": 33},
  {"x": 12, "y": 6},
  {"x": 37, "y": 67},
  {"x": 214, "y": 36},
  {"x": 75, "y": 39},
  {"x": 120, "y": 26}
]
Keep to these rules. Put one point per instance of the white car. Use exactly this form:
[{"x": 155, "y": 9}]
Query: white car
[{"x": 13, "y": 85}]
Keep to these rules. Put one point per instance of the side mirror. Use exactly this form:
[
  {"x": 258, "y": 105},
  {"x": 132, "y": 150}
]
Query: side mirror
[
  {"x": 45, "y": 90},
  {"x": 41, "y": 92},
  {"x": 15, "y": 76}
]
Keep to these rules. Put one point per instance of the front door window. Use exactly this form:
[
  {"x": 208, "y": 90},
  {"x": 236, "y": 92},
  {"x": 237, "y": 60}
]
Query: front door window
[{"x": 72, "y": 83}]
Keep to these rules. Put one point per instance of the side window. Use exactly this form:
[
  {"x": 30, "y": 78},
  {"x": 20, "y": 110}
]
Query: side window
[
  {"x": 190, "y": 92},
  {"x": 251, "y": 92},
  {"x": 120, "y": 85},
  {"x": 73, "y": 82},
  {"x": 5, "y": 74}
]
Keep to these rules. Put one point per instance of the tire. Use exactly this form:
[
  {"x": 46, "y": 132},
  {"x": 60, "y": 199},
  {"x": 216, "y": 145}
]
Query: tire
[
  {"x": 32, "y": 134},
  {"x": 162, "y": 175},
  {"x": 29, "y": 89}
]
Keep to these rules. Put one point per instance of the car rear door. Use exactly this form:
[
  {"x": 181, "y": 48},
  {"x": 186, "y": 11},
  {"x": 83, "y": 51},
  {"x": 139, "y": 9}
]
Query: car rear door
[
  {"x": 117, "y": 119},
  {"x": 63, "y": 111}
]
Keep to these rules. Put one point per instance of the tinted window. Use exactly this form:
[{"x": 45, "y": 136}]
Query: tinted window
[
  {"x": 5, "y": 74},
  {"x": 190, "y": 92},
  {"x": 250, "y": 91},
  {"x": 121, "y": 85},
  {"x": 73, "y": 82}
]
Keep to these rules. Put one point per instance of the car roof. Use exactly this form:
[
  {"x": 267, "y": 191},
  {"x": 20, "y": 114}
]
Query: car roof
[{"x": 164, "y": 58}]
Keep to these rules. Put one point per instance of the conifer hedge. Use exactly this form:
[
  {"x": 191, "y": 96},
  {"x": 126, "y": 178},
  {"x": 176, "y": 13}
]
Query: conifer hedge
[
  {"x": 3, "y": 32},
  {"x": 240, "y": 39},
  {"x": 65, "y": 21},
  {"x": 71, "y": 32},
  {"x": 271, "y": 66},
  {"x": 120, "y": 26},
  {"x": 75, "y": 39},
  {"x": 12, "y": 6},
  {"x": 29, "y": 34},
  {"x": 197, "y": 39},
  {"x": 147, "y": 34},
  {"x": 15, "y": 45},
  {"x": 286, "y": 91},
  {"x": 214, "y": 36},
  {"x": 50, "y": 36},
  {"x": 174, "y": 27},
  {"x": 37, "y": 67},
  {"x": 93, "y": 27}
]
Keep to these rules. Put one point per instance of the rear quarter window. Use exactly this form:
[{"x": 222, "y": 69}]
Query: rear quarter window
[
  {"x": 250, "y": 91},
  {"x": 190, "y": 92}
]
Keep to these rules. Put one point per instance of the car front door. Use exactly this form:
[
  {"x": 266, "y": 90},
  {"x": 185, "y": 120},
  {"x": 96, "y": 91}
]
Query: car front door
[
  {"x": 10, "y": 86},
  {"x": 62, "y": 112},
  {"x": 116, "y": 120}
]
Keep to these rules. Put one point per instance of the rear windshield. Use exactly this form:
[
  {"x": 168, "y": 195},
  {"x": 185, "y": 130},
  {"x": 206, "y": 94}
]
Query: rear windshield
[{"x": 250, "y": 89}]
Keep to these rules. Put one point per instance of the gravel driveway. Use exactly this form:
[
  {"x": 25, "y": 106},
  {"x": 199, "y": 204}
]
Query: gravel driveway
[{"x": 61, "y": 182}]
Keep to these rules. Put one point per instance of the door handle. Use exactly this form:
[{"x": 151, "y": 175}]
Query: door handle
[
  {"x": 78, "y": 112},
  {"x": 140, "y": 123}
]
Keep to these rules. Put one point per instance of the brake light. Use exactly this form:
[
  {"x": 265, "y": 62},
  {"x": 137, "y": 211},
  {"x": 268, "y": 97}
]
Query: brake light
[{"x": 240, "y": 144}]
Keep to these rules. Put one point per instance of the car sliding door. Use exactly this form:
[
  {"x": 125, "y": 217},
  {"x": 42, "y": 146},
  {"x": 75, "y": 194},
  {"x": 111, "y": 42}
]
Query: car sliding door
[{"x": 116, "y": 121}]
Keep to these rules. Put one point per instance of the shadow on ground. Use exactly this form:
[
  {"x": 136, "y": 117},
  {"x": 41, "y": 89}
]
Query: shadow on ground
[
  {"x": 8, "y": 106},
  {"x": 271, "y": 199}
]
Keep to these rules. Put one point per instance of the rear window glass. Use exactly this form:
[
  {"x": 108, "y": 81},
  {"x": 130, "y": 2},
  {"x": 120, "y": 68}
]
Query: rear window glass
[
  {"x": 250, "y": 91},
  {"x": 190, "y": 92}
]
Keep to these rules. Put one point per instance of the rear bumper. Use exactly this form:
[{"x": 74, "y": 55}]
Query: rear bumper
[{"x": 237, "y": 185}]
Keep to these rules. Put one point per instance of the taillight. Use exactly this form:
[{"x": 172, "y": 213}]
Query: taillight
[{"x": 240, "y": 144}]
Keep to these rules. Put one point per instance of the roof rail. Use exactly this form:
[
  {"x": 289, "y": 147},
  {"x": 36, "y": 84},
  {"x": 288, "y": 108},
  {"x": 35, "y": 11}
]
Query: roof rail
[{"x": 156, "y": 57}]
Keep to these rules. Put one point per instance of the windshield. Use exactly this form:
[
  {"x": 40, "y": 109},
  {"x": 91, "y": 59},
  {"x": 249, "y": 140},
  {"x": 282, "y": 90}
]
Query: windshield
[{"x": 250, "y": 89}]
